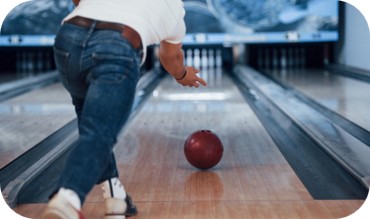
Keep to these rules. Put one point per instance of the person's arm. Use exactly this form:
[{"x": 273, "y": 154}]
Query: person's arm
[
  {"x": 171, "y": 57},
  {"x": 76, "y": 2}
]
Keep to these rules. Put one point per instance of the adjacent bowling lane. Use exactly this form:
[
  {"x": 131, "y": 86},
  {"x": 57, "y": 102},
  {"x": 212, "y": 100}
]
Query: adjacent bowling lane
[
  {"x": 252, "y": 180},
  {"x": 343, "y": 95},
  {"x": 31, "y": 117}
]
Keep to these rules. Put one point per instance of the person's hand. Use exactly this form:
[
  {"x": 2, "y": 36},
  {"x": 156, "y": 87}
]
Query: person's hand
[{"x": 190, "y": 78}]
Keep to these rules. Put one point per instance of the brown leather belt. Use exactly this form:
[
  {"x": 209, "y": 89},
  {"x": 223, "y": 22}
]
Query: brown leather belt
[{"x": 130, "y": 34}]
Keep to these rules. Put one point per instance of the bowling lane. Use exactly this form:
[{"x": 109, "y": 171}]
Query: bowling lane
[
  {"x": 150, "y": 153},
  {"x": 253, "y": 179},
  {"x": 31, "y": 117},
  {"x": 345, "y": 96}
]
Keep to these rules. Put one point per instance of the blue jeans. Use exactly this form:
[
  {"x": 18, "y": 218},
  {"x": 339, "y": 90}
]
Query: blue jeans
[{"x": 100, "y": 70}]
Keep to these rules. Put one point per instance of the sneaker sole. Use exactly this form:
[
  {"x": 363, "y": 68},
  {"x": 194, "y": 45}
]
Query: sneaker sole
[{"x": 114, "y": 217}]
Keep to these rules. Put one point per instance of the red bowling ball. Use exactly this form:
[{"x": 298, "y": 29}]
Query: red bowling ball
[{"x": 203, "y": 149}]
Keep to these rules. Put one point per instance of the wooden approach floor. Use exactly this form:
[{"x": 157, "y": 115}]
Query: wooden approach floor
[{"x": 253, "y": 179}]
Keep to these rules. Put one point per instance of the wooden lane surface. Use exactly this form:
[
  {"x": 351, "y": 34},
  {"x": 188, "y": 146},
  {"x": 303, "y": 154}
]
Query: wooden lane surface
[
  {"x": 253, "y": 180},
  {"x": 346, "y": 96},
  {"x": 222, "y": 209},
  {"x": 31, "y": 117}
]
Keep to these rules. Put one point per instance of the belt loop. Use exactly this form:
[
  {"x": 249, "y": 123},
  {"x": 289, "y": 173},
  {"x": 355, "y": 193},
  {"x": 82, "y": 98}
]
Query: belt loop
[{"x": 91, "y": 29}]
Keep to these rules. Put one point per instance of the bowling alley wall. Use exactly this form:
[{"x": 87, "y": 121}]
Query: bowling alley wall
[
  {"x": 354, "y": 46},
  {"x": 278, "y": 34}
]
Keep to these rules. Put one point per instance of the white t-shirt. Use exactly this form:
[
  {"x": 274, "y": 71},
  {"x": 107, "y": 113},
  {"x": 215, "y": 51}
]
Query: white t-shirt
[{"x": 154, "y": 20}]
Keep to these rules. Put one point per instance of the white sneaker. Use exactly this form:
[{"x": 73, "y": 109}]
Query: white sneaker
[
  {"x": 60, "y": 208},
  {"x": 119, "y": 208},
  {"x": 118, "y": 204}
]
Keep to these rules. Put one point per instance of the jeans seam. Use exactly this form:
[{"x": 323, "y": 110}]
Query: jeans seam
[{"x": 86, "y": 40}]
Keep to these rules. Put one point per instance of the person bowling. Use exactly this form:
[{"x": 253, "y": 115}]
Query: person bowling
[{"x": 98, "y": 52}]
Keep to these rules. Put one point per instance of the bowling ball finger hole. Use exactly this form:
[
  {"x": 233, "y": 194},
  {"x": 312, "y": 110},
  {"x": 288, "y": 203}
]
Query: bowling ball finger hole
[{"x": 205, "y": 131}]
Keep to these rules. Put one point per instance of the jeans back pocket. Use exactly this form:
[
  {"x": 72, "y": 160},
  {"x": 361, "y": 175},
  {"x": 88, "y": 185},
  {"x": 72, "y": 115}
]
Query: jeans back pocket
[{"x": 61, "y": 61}]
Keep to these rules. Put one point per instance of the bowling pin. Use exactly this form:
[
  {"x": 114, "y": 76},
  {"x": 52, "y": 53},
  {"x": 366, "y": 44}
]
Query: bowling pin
[
  {"x": 196, "y": 58},
  {"x": 30, "y": 63},
  {"x": 283, "y": 62},
  {"x": 189, "y": 57},
  {"x": 218, "y": 58},
  {"x": 275, "y": 62},
  {"x": 204, "y": 58},
  {"x": 211, "y": 58}
]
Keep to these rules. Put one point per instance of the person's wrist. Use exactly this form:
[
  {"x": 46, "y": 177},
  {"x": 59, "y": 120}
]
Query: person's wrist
[{"x": 182, "y": 76}]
